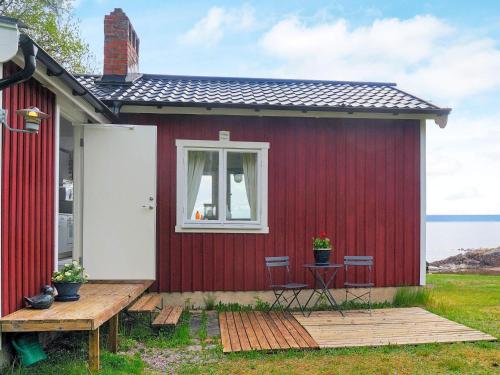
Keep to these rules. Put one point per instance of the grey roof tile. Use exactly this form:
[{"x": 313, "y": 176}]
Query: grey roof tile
[{"x": 273, "y": 93}]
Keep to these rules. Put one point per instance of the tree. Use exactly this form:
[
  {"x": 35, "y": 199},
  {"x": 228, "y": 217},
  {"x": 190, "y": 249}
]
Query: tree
[{"x": 52, "y": 25}]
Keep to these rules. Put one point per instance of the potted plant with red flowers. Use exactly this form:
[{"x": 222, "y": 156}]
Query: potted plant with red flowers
[{"x": 322, "y": 247}]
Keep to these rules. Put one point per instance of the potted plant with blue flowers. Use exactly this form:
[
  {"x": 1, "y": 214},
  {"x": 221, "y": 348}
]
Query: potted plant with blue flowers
[
  {"x": 68, "y": 281},
  {"x": 322, "y": 247}
]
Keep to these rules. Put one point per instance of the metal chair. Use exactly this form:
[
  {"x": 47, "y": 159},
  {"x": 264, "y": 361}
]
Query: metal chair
[
  {"x": 283, "y": 262},
  {"x": 355, "y": 261}
]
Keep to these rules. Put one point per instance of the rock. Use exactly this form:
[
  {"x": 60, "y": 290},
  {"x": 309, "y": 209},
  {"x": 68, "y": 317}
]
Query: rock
[{"x": 468, "y": 259}]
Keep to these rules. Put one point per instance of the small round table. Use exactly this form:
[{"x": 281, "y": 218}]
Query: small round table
[{"x": 322, "y": 283}]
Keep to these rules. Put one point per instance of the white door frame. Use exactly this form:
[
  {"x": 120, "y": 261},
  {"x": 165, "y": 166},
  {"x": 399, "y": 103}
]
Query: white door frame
[
  {"x": 1, "y": 153},
  {"x": 75, "y": 118}
]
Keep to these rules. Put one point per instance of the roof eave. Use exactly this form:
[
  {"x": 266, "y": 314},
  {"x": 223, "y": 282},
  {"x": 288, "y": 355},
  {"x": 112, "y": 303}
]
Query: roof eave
[
  {"x": 431, "y": 112},
  {"x": 55, "y": 69}
]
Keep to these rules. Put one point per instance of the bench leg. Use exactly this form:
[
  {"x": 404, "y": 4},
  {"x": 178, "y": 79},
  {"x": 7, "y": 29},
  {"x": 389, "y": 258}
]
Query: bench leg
[
  {"x": 113, "y": 334},
  {"x": 94, "y": 350}
]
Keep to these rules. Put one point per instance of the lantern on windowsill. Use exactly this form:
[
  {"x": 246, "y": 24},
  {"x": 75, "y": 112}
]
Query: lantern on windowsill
[{"x": 209, "y": 211}]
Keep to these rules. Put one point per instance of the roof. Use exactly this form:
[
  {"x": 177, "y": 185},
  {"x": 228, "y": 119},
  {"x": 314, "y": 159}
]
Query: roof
[
  {"x": 78, "y": 89},
  {"x": 344, "y": 96}
]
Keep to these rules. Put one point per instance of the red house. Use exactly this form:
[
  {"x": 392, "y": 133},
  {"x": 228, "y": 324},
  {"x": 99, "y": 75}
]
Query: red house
[{"x": 192, "y": 181}]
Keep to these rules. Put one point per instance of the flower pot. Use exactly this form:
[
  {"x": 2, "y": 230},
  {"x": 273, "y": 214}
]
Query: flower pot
[
  {"x": 67, "y": 291},
  {"x": 322, "y": 256}
]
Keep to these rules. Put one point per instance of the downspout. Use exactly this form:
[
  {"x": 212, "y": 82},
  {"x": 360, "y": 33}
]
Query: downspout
[{"x": 29, "y": 53}]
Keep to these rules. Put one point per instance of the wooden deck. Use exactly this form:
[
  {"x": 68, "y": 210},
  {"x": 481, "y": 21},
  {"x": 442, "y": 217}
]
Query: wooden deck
[
  {"x": 99, "y": 303},
  {"x": 395, "y": 326},
  {"x": 255, "y": 330}
]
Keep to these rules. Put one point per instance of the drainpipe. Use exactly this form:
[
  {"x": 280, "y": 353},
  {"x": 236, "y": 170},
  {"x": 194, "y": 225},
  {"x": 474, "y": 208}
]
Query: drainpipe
[{"x": 29, "y": 53}]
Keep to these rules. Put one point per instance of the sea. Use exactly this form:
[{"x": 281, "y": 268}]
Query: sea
[{"x": 446, "y": 235}]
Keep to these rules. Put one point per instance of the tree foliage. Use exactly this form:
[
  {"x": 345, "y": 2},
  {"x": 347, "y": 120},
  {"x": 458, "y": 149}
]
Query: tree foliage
[{"x": 52, "y": 25}]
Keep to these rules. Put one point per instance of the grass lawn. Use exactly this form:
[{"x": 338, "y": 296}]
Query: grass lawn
[{"x": 472, "y": 300}]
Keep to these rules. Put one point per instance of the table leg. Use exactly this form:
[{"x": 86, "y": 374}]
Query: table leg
[
  {"x": 318, "y": 281},
  {"x": 94, "y": 350},
  {"x": 329, "y": 296},
  {"x": 113, "y": 334},
  {"x": 314, "y": 290}
]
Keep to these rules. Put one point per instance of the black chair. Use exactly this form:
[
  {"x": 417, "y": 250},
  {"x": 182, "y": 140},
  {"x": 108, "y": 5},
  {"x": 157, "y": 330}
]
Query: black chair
[
  {"x": 352, "y": 262},
  {"x": 283, "y": 262}
]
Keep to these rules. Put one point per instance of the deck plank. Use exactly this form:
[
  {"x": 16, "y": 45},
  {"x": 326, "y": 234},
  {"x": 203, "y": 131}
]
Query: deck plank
[
  {"x": 233, "y": 333},
  {"x": 169, "y": 315},
  {"x": 224, "y": 333},
  {"x": 266, "y": 339},
  {"x": 252, "y": 337},
  {"x": 255, "y": 330},
  {"x": 259, "y": 333},
  {"x": 242, "y": 334},
  {"x": 302, "y": 331},
  {"x": 242, "y": 331},
  {"x": 274, "y": 331},
  {"x": 174, "y": 316},
  {"x": 293, "y": 332},
  {"x": 290, "y": 340},
  {"x": 147, "y": 303},
  {"x": 394, "y": 326}
]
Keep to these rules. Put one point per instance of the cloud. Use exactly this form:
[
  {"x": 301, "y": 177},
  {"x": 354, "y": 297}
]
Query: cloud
[
  {"x": 442, "y": 165},
  {"x": 463, "y": 173},
  {"x": 211, "y": 29},
  {"x": 423, "y": 54},
  {"x": 467, "y": 192}
]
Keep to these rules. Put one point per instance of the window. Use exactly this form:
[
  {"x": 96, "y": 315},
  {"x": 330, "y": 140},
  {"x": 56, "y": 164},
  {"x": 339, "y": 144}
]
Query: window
[{"x": 221, "y": 186}]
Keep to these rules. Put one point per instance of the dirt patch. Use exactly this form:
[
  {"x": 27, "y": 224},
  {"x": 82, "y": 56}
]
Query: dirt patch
[{"x": 169, "y": 360}]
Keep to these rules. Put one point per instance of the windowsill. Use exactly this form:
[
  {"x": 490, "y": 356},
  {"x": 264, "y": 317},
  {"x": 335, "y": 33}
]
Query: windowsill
[{"x": 221, "y": 229}]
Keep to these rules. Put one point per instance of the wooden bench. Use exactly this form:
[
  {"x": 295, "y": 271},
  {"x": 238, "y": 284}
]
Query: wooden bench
[
  {"x": 169, "y": 315},
  {"x": 148, "y": 303}
]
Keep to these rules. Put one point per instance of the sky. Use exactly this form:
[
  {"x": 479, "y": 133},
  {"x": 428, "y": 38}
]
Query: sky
[{"x": 447, "y": 52}]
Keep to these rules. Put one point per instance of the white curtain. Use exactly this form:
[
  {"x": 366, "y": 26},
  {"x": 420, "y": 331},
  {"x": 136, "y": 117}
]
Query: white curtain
[
  {"x": 250, "y": 173},
  {"x": 196, "y": 165}
]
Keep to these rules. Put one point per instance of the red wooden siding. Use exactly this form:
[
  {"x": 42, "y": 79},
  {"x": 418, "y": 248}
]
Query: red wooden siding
[
  {"x": 357, "y": 179},
  {"x": 27, "y": 196}
]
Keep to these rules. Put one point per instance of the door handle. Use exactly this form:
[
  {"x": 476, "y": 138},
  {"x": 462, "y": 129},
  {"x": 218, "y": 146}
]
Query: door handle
[{"x": 148, "y": 206}]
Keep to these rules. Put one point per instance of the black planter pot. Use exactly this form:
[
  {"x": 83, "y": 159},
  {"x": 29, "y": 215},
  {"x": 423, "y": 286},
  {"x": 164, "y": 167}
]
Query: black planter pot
[
  {"x": 321, "y": 256},
  {"x": 67, "y": 291}
]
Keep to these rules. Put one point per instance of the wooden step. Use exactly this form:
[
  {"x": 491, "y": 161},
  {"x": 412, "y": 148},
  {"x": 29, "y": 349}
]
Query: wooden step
[
  {"x": 147, "y": 303},
  {"x": 169, "y": 315}
]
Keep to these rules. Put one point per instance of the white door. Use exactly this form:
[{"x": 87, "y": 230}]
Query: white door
[{"x": 119, "y": 202}]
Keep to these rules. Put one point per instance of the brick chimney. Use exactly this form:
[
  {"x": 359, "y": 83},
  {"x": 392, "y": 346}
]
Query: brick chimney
[{"x": 121, "y": 45}]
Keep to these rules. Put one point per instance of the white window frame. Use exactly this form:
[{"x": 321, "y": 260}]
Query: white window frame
[{"x": 222, "y": 225}]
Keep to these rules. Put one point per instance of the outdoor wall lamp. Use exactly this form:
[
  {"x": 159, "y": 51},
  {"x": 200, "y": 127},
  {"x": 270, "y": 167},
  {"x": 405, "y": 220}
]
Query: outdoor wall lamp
[{"x": 32, "y": 119}]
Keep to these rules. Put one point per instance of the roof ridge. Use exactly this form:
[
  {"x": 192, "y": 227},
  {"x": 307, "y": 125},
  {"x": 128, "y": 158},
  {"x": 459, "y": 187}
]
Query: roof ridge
[
  {"x": 250, "y": 79},
  {"x": 263, "y": 79}
]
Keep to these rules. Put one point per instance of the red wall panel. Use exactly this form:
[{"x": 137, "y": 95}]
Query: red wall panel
[
  {"x": 27, "y": 196},
  {"x": 358, "y": 179}
]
